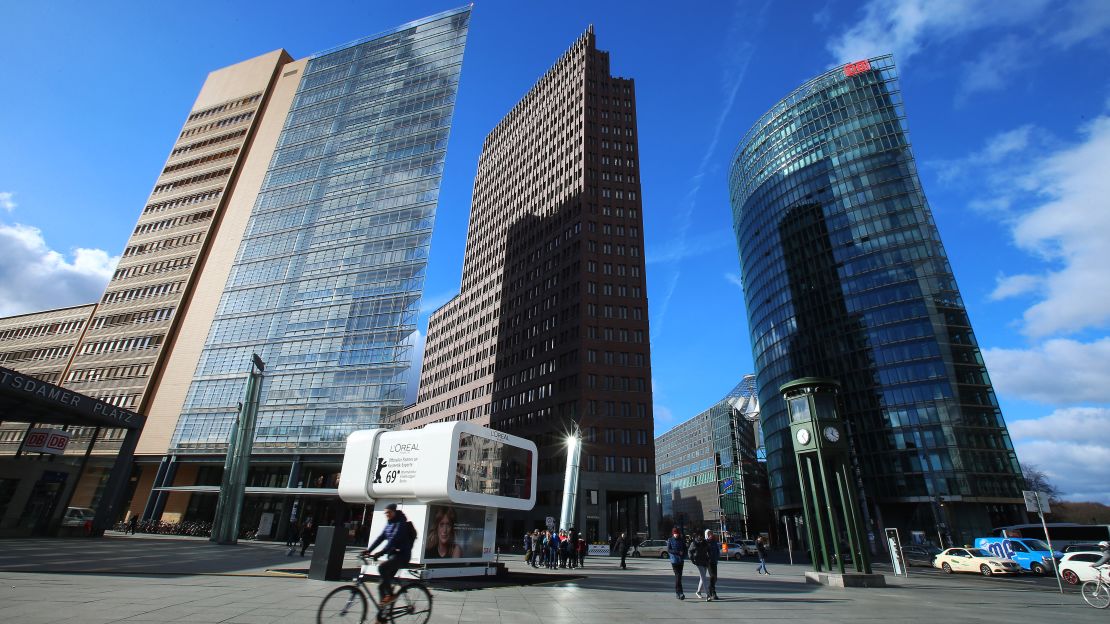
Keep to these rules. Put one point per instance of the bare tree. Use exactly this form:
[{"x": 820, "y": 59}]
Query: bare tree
[{"x": 1037, "y": 480}]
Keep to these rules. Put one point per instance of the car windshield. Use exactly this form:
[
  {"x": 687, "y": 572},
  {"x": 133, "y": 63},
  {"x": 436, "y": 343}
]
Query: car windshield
[{"x": 1035, "y": 544}]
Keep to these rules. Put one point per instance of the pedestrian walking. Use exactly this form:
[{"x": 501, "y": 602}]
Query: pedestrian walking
[
  {"x": 622, "y": 549},
  {"x": 714, "y": 557},
  {"x": 308, "y": 534},
  {"x": 761, "y": 550},
  {"x": 582, "y": 550},
  {"x": 699, "y": 556},
  {"x": 528, "y": 548},
  {"x": 292, "y": 534},
  {"x": 676, "y": 549},
  {"x": 572, "y": 547},
  {"x": 132, "y": 524},
  {"x": 552, "y": 550},
  {"x": 537, "y": 548}
]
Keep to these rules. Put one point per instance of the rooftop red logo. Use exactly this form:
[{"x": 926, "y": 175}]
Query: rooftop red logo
[{"x": 851, "y": 69}]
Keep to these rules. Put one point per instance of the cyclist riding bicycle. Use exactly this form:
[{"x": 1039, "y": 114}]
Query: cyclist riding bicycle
[
  {"x": 1105, "y": 558},
  {"x": 399, "y": 536}
]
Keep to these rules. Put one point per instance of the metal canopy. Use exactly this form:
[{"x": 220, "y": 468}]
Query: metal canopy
[
  {"x": 253, "y": 491},
  {"x": 26, "y": 399}
]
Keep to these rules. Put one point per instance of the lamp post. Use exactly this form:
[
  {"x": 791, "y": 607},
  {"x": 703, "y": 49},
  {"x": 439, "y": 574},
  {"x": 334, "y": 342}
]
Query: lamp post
[{"x": 570, "y": 480}]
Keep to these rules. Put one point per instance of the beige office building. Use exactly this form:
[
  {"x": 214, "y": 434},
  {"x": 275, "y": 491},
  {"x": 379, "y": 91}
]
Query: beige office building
[{"x": 285, "y": 175}]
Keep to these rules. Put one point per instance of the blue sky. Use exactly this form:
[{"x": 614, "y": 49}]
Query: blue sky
[{"x": 1008, "y": 104}]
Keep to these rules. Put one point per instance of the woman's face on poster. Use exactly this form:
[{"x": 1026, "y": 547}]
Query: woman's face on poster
[{"x": 445, "y": 530}]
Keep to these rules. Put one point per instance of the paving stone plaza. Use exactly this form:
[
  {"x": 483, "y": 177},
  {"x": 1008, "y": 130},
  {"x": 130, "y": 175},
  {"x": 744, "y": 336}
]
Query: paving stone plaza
[{"x": 151, "y": 579}]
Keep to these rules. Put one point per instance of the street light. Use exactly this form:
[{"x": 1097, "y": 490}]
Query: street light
[{"x": 570, "y": 480}]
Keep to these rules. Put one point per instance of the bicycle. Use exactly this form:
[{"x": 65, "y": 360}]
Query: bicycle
[
  {"x": 1097, "y": 592},
  {"x": 412, "y": 603}
]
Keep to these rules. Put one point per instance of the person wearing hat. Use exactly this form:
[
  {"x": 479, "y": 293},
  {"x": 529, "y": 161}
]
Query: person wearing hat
[
  {"x": 398, "y": 535},
  {"x": 676, "y": 548}
]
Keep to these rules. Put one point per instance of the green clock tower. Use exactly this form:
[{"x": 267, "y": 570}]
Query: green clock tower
[{"x": 832, "y": 517}]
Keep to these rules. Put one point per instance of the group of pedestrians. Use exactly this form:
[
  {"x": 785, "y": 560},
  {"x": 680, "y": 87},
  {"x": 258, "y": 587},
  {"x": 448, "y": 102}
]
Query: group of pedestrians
[
  {"x": 555, "y": 549},
  {"x": 704, "y": 551}
]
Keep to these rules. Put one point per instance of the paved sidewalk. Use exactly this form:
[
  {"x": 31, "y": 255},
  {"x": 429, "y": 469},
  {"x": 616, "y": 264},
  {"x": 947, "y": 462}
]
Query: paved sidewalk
[{"x": 142, "y": 579}]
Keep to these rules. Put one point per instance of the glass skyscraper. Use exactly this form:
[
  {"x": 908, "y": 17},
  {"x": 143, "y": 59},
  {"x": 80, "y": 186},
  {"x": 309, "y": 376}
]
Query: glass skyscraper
[
  {"x": 328, "y": 277},
  {"x": 845, "y": 277}
]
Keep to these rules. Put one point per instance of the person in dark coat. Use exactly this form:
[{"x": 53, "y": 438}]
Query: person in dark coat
[
  {"x": 308, "y": 534},
  {"x": 622, "y": 549},
  {"x": 761, "y": 550},
  {"x": 399, "y": 538},
  {"x": 699, "y": 556},
  {"x": 714, "y": 557},
  {"x": 676, "y": 549}
]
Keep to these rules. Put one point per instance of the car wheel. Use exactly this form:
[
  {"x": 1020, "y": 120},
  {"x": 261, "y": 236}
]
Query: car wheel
[
  {"x": 663, "y": 555},
  {"x": 947, "y": 568},
  {"x": 985, "y": 570},
  {"x": 1070, "y": 577},
  {"x": 1037, "y": 569}
]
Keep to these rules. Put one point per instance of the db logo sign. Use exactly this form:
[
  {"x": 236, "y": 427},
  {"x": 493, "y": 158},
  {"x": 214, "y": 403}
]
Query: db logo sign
[
  {"x": 851, "y": 69},
  {"x": 52, "y": 441}
]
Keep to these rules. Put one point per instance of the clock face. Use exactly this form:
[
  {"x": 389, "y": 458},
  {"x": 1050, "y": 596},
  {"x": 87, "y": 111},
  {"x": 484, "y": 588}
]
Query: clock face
[
  {"x": 832, "y": 434},
  {"x": 803, "y": 436}
]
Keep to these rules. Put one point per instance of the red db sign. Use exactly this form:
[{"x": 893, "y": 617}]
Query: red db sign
[
  {"x": 851, "y": 69},
  {"x": 52, "y": 441}
]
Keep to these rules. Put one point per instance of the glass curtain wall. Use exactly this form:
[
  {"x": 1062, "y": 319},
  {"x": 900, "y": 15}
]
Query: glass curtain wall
[
  {"x": 327, "y": 280},
  {"x": 845, "y": 277}
]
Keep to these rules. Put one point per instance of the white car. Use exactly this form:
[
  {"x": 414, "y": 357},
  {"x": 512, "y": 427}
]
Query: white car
[
  {"x": 651, "y": 548},
  {"x": 736, "y": 550},
  {"x": 77, "y": 516},
  {"x": 1076, "y": 568},
  {"x": 974, "y": 560}
]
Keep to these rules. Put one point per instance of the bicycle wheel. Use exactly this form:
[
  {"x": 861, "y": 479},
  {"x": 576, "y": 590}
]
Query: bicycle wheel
[
  {"x": 342, "y": 604},
  {"x": 1096, "y": 594},
  {"x": 413, "y": 605}
]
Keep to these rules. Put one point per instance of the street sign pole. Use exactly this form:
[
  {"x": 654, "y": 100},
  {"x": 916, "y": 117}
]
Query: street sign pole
[{"x": 1041, "y": 507}]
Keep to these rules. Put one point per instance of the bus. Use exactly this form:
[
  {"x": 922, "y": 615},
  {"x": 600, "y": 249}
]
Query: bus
[{"x": 1062, "y": 533}]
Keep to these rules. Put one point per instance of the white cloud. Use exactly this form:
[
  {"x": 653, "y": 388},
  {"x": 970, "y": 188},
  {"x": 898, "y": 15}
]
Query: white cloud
[
  {"x": 1007, "y": 286},
  {"x": 1082, "y": 20},
  {"x": 6, "y": 201},
  {"x": 34, "y": 277},
  {"x": 429, "y": 304},
  {"x": 676, "y": 250},
  {"x": 1055, "y": 198},
  {"x": 1070, "y": 230},
  {"x": 1069, "y": 445},
  {"x": 996, "y": 159},
  {"x": 735, "y": 279},
  {"x": 1028, "y": 28},
  {"x": 993, "y": 68},
  {"x": 1057, "y": 372},
  {"x": 906, "y": 27}
]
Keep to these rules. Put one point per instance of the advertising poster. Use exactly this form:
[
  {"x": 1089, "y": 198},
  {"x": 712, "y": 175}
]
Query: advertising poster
[{"x": 454, "y": 532}]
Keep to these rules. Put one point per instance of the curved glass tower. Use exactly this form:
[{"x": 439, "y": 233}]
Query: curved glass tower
[{"x": 845, "y": 276}]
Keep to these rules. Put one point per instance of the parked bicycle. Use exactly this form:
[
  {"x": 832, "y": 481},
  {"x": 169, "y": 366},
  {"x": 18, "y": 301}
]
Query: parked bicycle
[
  {"x": 412, "y": 603},
  {"x": 1097, "y": 592}
]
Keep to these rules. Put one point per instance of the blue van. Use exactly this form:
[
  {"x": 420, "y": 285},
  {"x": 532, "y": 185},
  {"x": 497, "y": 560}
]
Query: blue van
[{"x": 1030, "y": 553}]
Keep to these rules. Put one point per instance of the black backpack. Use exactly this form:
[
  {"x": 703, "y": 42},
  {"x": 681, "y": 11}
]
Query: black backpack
[{"x": 699, "y": 552}]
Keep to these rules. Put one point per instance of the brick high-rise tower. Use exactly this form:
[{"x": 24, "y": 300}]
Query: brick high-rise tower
[{"x": 550, "y": 328}]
